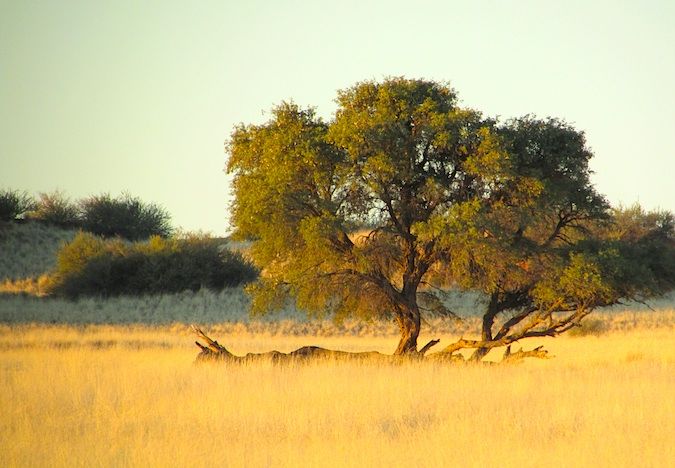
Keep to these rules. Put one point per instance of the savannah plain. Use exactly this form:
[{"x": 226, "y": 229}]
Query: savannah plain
[
  {"x": 387, "y": 174},
  {"x": 475, "y": 234},
  {"x": 131, "y": 395}
]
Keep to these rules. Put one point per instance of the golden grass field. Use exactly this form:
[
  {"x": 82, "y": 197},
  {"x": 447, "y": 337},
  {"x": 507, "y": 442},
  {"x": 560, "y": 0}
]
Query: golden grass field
[{"x": 131, "y": 396}]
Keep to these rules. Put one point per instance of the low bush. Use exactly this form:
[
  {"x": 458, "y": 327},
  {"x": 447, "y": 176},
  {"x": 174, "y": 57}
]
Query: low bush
[
  {"x": 92, "y": 266},
  {"x": 14, "y": 204}
]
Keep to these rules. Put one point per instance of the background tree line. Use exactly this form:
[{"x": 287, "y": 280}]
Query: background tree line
[
  {"x": 124, "y": 216},
  {"x": 124, "y": 247}
]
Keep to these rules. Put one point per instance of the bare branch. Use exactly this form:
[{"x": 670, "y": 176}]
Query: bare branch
[
  {"x": 427, "y": 346},
  {"x": 541, "y": 324},
  {"x": 464, "y": 344},
  {"x": 515, "y": 320},
  {"x": 644, "y": 303},
  {"x": 394, "y": 218},
  {"x": 212, "y": 347}
]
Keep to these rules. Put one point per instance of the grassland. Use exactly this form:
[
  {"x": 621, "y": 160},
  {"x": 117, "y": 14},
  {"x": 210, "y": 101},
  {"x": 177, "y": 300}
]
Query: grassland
[
  {"x": 130, "y": 395},
  {"x": 111, "y": 382},
  {"x": 29, "y": 250}
]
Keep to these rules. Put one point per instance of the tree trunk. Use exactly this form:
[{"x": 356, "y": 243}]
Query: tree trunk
[
  {"x": 409, "y": 323},
  {"x": 486, "y": 329}
]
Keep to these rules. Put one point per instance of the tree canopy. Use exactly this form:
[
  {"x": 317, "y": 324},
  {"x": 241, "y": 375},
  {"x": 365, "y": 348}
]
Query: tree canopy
[{"x": 404, "y": 192}]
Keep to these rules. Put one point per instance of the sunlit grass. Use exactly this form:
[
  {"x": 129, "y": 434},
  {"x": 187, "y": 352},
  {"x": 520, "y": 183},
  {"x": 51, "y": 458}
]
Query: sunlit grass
[
  {"x": 32, "y": 286},
  {"x": 131, "y": 396}
]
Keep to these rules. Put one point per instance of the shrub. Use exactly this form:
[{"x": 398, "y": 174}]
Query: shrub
[
  {"x": 126, "y": 216},
  {"x": 92, "y": 266},
  {"x": 14, "y": 204},
  {"x": 56, "y": 209},
  {"x": 74, "y": 255}
]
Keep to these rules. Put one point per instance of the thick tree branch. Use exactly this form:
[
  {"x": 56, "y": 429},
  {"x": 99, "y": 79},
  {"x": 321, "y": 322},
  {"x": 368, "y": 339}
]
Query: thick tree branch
[
  {"x": 386, "y": 199},
  {"x": 212, "y": 347},
  {"x": 428, "y": 346},
  {"x": 513, "y": 321},
  {"x": 543, "y": 319}
]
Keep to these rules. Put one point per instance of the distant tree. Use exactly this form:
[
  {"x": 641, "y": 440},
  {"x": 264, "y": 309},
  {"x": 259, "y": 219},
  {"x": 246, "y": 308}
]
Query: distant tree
[
  {"x": 14, "y": 204},
  {"x": 404, "y": 192},
  {"x": 125, "y": 216}
]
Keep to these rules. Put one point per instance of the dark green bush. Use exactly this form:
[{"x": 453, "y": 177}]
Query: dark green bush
[
  {"x": 126, "y": 217},
  {"x": 57, "y": 210},
  {"x": 91, "y": 266},
  {"x": 14, "y": 204}
]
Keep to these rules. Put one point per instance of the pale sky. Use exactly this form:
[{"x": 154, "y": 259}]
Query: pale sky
[{"x": 139, "y": 96}]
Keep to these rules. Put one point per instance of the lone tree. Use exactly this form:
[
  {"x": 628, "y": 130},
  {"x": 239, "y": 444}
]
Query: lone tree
[{"x": 404, "y": 192}]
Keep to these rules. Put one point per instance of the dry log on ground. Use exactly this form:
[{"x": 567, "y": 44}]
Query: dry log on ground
[{"x": 213, "y": 351}]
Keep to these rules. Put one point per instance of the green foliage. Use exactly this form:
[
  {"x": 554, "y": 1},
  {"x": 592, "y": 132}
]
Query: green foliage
[
  {"x": 14, "y": 204},
  {"x": 57, "y": 210},
  {"x": 629, "y": 256},
  {"x": 554, "y": 153},
  {"x": 90, "y": 265},
  {"x": 401, "y": 158},
  {"x": 577, "y": 283},
  {"x": 125, "y": 216},
  {"x": 644, "y": 244},
  {"x": 567, "y": 252},
  {"x": 74, "y": 255}
]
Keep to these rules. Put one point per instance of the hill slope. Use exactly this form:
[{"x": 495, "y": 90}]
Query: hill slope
[{"x": 28, "y": 250}]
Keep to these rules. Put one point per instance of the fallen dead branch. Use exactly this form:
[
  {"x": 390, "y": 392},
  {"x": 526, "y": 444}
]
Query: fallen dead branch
[{"x": 212, "y": 351}]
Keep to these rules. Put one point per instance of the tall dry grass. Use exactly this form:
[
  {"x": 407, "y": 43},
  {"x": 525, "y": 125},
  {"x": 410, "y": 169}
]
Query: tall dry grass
[{"x": 131, "y": 396}]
